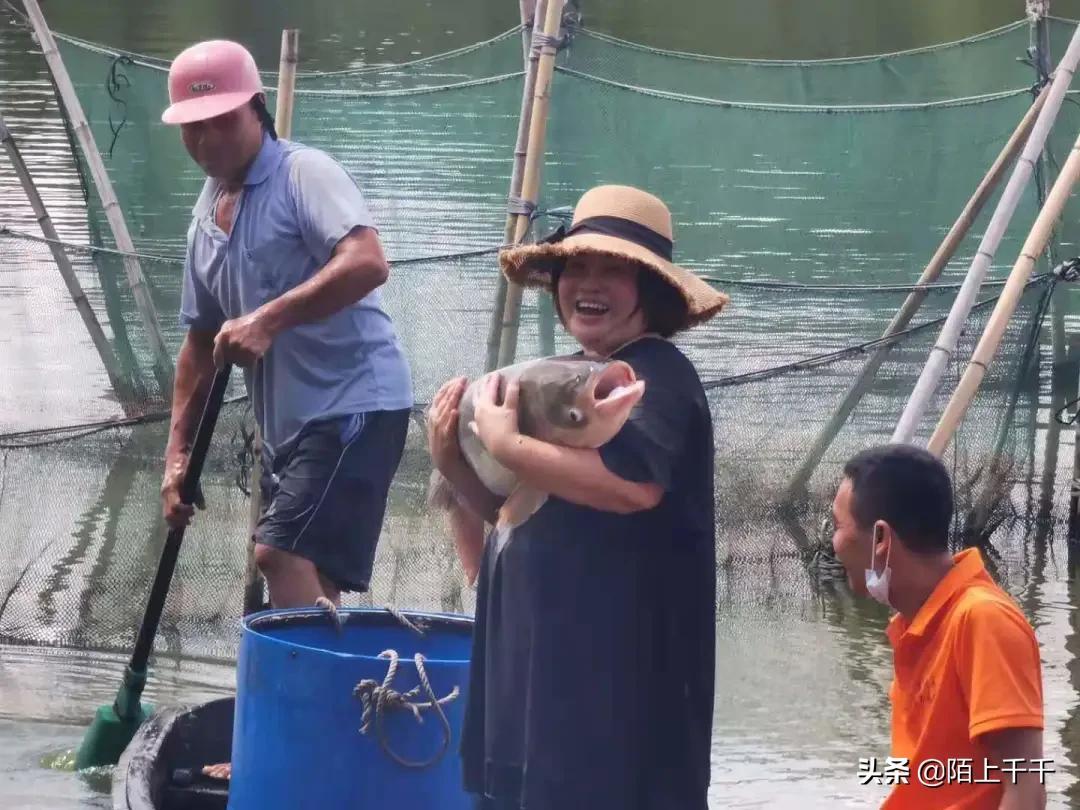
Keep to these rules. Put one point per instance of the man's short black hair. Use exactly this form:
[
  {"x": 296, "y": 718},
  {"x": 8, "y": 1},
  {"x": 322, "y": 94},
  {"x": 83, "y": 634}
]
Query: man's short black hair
[{"x": 908, "y": 488}]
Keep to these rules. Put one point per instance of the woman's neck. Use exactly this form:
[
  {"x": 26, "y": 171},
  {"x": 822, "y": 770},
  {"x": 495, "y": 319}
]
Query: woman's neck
[{"x": 608, "y": 348}]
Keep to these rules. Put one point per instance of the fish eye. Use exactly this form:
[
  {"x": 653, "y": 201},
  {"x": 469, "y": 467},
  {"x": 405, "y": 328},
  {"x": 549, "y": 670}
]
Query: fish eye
[{"x": 576, "y": 416}]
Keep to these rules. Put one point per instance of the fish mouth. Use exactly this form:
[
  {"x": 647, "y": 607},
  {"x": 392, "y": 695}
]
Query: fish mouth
[{"x": 616, "y": 386}]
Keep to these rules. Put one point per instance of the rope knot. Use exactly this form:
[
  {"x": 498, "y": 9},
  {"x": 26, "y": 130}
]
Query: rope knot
[
  {"x": 379, "y": 698},
  {"x": 521, "y": 207},
  {"x": 540, "y": 40}
]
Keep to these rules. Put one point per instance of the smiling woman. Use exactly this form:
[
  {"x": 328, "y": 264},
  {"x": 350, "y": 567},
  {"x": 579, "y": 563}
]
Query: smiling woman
[{"x": 626, "y": 538}]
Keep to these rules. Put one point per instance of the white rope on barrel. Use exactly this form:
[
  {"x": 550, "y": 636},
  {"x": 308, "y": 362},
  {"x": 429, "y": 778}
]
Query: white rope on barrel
[{"x": 380, "y": 698}]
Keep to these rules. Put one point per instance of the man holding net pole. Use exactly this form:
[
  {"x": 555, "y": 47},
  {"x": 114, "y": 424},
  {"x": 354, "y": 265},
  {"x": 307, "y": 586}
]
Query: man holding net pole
[{"x": 281, "y": 277}]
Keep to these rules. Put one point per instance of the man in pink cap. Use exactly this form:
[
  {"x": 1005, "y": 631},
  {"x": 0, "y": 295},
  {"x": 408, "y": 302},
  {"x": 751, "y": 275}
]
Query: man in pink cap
[{"x": 281, "y": 277}]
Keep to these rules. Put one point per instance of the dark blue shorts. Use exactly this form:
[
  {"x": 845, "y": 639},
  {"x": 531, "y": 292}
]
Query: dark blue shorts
[
  {"x": 324, "y": 499},
  {"x": 488, "y": 803}
]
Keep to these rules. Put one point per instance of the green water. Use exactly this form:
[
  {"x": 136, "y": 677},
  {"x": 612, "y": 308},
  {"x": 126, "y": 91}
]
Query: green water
[{"x": 802, "y": 675}]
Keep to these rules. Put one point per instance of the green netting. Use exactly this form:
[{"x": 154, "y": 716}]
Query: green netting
[
  {"x": 775, "y": 194},
  {"x": 806, "y": 196},
  {"x": 78, "y": 570},
  {"x": 926, "y": 74},
  {"x": 420, "y": 154},
  {"x": 817, "y": 197},
  {"x": 496, "y": 57}
]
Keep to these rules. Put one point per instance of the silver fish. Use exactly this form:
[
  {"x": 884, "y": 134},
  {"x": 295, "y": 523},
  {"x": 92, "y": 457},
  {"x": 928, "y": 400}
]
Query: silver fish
[{"x": 570, "y": 401}]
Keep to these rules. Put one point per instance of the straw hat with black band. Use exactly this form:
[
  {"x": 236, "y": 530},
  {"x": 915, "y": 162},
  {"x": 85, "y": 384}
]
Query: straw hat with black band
[{"x": 623, "y": 222}]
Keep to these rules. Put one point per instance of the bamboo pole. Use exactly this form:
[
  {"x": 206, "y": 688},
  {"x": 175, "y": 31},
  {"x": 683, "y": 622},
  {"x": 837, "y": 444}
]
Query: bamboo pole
[
  {"x": 290, "y": 52},
  {"x": 163, "y": 365},
  {"x": 530, "y": 182},
  {"x": 988, "y": 344},
  {"x": 283, "y": 115},
  {"x": 942, "y": 256},
  {"x": 1064, "y": 368},
  {"x": 517, "y": 172},
  {"x": 124, "y": 392},
  {"x": 528, "y": 11},
  {"x": 1037, "y": 11},
  {"x": 950, "y": 334},
  {"x": 545, "y": 306}
]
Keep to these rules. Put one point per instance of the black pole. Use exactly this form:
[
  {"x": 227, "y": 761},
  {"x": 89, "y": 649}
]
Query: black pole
[{"x": 127, "y": 700}]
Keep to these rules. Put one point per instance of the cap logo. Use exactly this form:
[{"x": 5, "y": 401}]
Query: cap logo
[{"x": 202, "y": 87}]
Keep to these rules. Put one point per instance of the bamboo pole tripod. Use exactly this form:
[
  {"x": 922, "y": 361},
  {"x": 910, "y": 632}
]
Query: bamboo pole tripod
[
  {"x": 933, "y": 270},
  {"x": 530, "y": 181},
  {"x": 943, "y": 349},
  {"x": 1006, "y": 305},
  {"x": 532, "y": 62}
]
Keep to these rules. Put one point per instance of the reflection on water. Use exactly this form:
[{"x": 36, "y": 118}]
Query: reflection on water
[
  {"x": 47, "y": 698},
  {"x": 26, "y": 783},
  {"x": 802, "y": 671}
]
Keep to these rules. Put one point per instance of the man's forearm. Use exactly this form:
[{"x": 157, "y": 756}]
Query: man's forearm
[
  {"x": 355, "y": 270},
  {"x": 194, "y": 374}
]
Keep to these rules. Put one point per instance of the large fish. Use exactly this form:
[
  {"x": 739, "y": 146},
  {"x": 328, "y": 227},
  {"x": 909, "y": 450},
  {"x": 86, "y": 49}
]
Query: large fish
[{"x": 571, "y": 401}]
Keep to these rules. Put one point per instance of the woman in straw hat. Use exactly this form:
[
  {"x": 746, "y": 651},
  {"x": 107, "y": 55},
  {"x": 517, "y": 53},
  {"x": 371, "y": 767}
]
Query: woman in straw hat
[{"x": 592, "y": 668}]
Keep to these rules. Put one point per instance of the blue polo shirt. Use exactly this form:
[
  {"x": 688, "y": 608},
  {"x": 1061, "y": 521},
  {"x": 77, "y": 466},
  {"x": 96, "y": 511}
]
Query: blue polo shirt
[{"x": 296, "y": 205}]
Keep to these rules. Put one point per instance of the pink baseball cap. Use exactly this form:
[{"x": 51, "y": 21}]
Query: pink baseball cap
[{"x": 210, "y": 79}]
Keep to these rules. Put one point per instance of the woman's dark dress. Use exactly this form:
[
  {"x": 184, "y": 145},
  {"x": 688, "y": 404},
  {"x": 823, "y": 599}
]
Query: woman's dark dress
[{"x": 593, "y": 656}]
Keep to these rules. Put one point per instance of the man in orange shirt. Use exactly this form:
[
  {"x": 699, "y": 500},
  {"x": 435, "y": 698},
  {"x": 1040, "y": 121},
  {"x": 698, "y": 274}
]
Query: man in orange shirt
[{"x": 967, "y": 686}]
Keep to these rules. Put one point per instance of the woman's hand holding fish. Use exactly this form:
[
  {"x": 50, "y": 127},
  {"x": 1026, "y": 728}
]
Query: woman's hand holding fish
[
  {"x": 442, "y": 427},
  {"x": 496, "y": 424}
]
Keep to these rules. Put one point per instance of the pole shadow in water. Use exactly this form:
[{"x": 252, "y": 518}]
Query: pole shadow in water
[{"x": 99, "y": 523}]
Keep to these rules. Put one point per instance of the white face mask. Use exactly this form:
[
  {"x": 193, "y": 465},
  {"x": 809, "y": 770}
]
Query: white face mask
[{"x": 877, "y": 585}]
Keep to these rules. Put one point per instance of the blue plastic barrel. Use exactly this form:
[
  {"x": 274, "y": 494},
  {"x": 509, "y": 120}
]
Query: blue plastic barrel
[{"x": 296, "y": 736}]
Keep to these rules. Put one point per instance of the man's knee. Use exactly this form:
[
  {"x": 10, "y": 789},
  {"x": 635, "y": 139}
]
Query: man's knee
[{"x": 271, "y": 560}]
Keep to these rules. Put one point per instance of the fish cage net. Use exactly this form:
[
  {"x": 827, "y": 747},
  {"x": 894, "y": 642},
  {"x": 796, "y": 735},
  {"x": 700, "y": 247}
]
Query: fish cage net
[{"x": 813, "y": 193}]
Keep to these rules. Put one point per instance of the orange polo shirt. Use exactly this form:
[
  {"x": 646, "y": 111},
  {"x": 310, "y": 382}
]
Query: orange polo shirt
[{"x": 968, "y": 663}]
